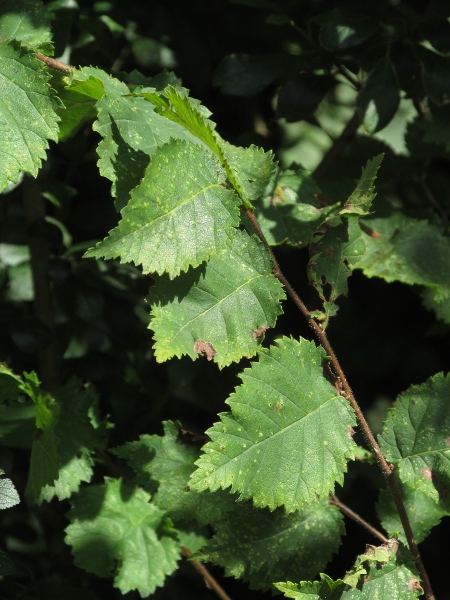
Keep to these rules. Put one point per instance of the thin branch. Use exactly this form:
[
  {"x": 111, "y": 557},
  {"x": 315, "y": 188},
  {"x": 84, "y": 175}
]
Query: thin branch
[
  {"x": 47, "y": 355},
  {"x": 355, "y": 517},
  {"x": 209, "y": 580},
  {"x": 54, "y": 64},
  {"x": 336, "y": 150},
  {"x": 386, "y": 469}
]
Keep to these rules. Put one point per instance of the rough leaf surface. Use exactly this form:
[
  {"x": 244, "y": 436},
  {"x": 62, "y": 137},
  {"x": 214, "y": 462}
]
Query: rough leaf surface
[
  {"x": 416, "y": 437},
  {"x": 222, "y": 303},
  {"x": 8, "y": 493},
  {"x": 287, "y": 439},
  {"x": 115, "y": 531},
  {"x": 262, "y": 547},
  {"x": 361, "y": 199},
  {"x": 27, "y": 112},
  {"x": 178, "y": 217}
]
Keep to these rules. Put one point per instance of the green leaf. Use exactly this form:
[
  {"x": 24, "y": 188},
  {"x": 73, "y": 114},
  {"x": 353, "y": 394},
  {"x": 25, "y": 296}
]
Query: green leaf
[
  {"x": 361, "y": 199},
  {"x": 415, "y": 436},
  {"x": 178, "y": 217},
  {"x": 8, "y": 493},
  {"x": 299, "y": 96},
  {"x": 325, "y": 589},
  {"x": 379, "y": 99},
  {"x": 261, "y": 547},
  {"x": 345, "y": 28},
  {"x": 132, "y": 131},
  {"x": 241, "y": 74},
  {"x": 423, "y": 512},
  {"x": 408, "y": 250},
  {"x": 115, "y": 531},
  {"x": 27, "y": 112},
  {"x": 290, "y": 212},
  {"x": 7, "y": 566},
  {"x": 282, "y": 444},
  {"x": 220, "y": 309},
  {"x": 166, "y": 460},
  {"x": 435, "y": 75},
  {"x": 333, "y": 256},
  {"x": 27, "y": 22},
  {"x": 252, "y": 168}
]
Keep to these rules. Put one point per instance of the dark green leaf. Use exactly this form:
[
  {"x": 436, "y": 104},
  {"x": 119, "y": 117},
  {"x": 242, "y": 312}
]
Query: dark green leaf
[
  {"x": 379, "y": 99},
  {"x": 435, "y": 74},
  {"x": 281, "y": 444},
  {"x": 299, "y": 97},
  {"x": 344, "y": 28},
  {"x": 245, "y": 75}
]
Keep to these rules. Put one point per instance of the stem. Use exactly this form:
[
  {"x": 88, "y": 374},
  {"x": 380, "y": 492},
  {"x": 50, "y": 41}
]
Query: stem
[
  {"x": 355, "y": 517},
  {"x": 386, "y": 469},
  {"x": 48, "y": 355},
  {"x": 210, "y": 582},
  {"x": 336, "y": 150},
  {"x": 54, "y": 64}
]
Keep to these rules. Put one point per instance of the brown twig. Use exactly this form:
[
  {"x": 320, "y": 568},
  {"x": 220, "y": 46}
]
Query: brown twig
[
  {"x": 209, "y": 580},
  {"x": 355, "y": 517},
  {"x": 335, "y": 152},
  {"x": 54, "y": 64},
  {"x": 48, "y": 355},
  {"x": 385, "y": 468}
]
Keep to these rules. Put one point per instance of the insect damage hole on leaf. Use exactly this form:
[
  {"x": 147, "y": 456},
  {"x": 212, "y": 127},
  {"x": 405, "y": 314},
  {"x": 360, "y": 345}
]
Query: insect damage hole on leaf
[{"x": 205, "y": 349}]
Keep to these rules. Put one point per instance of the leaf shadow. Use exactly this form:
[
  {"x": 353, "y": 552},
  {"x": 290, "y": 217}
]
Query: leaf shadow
[{"x": 167, "y": 291}]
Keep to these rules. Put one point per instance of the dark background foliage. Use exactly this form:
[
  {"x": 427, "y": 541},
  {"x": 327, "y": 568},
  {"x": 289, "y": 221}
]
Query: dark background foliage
[{"x": 257, "y": 70}]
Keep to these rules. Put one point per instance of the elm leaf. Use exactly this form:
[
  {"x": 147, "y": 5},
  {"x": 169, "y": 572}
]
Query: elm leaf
[
  {"x": 116, "y": 532},
  {"x": 219, "y": 310},
  {"x": 283, "y": 444},
  {"x": 178, "y": 216}
]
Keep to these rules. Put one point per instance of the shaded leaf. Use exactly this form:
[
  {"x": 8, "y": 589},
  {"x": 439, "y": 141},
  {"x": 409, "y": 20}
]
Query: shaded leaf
[
  {"x": 282, "y": 444},
  {"x": 416, "y": 439},
  {"x": 261, "y": 547},
  {"x": 241, "y": 74},
  {"x": 299, "y": 96},
  {"x": 435, "y": 75},
  {"x": 26, "y": 21},
  {"x": 345, "y": 28},
  {"x": 178, "y": 217},
  {"x": 116, "y": 532},
  {"x": 27, "y": 112},
  {"x": 333, "y": 256},
  {"x": 166, "y": 463},
  {"x": 222, "y": 303},
  {"x": 379, "y": 99}
]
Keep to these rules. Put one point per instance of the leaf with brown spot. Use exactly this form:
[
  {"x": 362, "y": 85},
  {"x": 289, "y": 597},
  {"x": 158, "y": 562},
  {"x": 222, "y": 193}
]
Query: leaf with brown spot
[{"x": 205, "y": 349}]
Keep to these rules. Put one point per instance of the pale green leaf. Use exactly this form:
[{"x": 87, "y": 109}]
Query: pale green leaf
[
  {"x": 361, "y": 199},
  {"x": 170, "y": 463},
  {"x": 325, "y": 589},
  {"x": 178, "y": 217},
  {"x": 262, "y": 547},
  {"x": 219, "y": 310},
  {"x": 288, "y": 436},
  {"x": 8, "y": 493},
  {"x": 333, "y": 255},
  {"x": 290, "y": 212},
  {"x": 116, "y": 532},
  {"x": 408, "y": 250},
  {"x": 27, "y": 22},
  {"x": 27, "y": 112},
  {"x": 423, "y": 512},
  {"x": 131, "y": 132},
  {"x": 416, "y": 439}
]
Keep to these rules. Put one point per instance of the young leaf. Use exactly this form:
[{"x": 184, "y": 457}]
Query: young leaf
[
  {"x": 415, "y": 436},
  {"x": 282, "y": 444},
  {"x": 333, "y": 257},
  {"x": 178, "y": 217},
  {"x": 8, "y": 493},
  {"x": 221, "y": 309},
  {"x": 164, "y": 459},
  {"x": 408, "y": 250},
  {"x": 378, "y": 100},
  {"x": 361, "y": 199},
  {"x": 291, "y": 212},
  {"x": 27, "y": 22},
  {"x": 25, "y": 92},
  {"x": 261, "y": 547},
  {"x": 115, "y": 531},
  {"x": 132, "y": 131}
]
